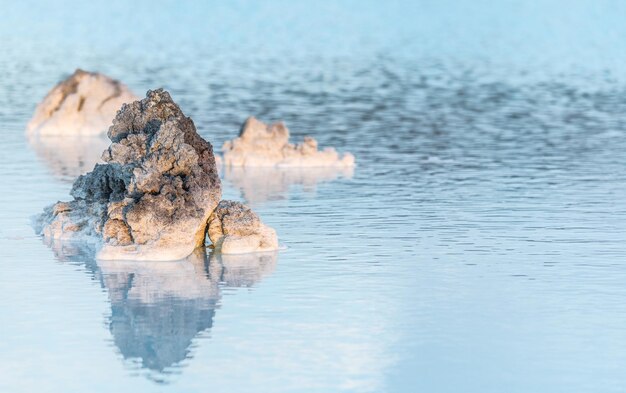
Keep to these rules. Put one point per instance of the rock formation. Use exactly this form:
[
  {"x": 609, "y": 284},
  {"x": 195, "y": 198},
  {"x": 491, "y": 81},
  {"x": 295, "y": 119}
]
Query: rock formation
[
  {"x": 153, "y": 196},
  {"x": 261, "y": 145},
  {"x": 83, "y": 104},
  {"x": 235, "y": 229}
]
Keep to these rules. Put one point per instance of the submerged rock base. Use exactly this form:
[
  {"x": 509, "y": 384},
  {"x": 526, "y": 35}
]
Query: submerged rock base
[
  {"x": 260, "y": 145},
  {"x": 235, "y": 229},
  {"x": 83, "y": 104},
  {"x": 153, "y": 197}
]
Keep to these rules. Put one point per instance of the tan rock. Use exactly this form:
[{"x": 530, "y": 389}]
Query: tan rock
[
  {"x": 83, "y": 104},
  {"x": 234, "y": 229},
  {"x": 260, "y": 145},
  {"x": 153, "y": 197}
]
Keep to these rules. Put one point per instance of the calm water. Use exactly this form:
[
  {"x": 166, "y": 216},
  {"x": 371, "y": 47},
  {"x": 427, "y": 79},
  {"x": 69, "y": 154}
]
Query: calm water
[{"x": 478, "y": 246}]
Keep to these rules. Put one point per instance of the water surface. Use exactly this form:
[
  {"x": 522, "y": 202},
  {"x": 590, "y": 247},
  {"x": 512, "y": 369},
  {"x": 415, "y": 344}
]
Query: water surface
[{"x": 478, "y": 246}]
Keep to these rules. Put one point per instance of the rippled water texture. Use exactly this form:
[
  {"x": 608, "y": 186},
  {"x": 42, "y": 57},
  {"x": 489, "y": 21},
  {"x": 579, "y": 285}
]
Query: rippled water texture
[{"x": 478, "y": 246}]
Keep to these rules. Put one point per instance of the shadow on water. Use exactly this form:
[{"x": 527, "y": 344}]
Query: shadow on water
[{"x": 159, "y": 308}]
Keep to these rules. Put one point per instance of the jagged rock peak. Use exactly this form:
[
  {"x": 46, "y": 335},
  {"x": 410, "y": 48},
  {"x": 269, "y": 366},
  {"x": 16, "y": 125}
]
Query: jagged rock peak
[{"x": 153, "y": 197}]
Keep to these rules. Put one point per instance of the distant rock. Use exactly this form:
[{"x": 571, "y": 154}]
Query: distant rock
[
  {"x": 153, "y": 196},
  {"x": 234, "y": 228},
  {"x": 83, "y": 104},
  {"x": 260, "y": 145}
]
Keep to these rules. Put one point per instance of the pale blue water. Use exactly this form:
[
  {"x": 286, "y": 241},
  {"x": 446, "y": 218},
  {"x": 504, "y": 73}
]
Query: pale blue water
[{"x": 478, "y": 246}]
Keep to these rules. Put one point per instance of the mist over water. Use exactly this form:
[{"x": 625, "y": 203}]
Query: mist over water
[{"x": 477, "y": 246}]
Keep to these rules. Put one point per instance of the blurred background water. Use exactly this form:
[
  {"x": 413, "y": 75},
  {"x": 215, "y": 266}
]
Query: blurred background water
[{"x": 478, "y": 246}]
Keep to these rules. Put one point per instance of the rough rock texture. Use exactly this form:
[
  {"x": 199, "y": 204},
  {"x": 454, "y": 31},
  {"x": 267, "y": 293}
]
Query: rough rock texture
[
  {"x": 261, "y": 145},
  {"x": 153, "y": 197},
  {"x": 235, "y": 229},
  {"x": 83, "y": 104}
]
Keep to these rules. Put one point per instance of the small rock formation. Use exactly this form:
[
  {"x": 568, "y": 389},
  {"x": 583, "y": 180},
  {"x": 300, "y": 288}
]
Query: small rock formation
[
  {"x": 153, "y": 196},
  {"x": 261, "y": 145},
  {"x": 83, "y": 104},
  {"x": 235, "y": 229}
]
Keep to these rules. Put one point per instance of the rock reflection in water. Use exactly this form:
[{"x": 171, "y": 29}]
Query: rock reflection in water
[
  {"x": 68, "y": 157},
  {"x": 158, "y": 308},
  {"x": 244, "y": 270},
  {"x": 261, "y": 184}
]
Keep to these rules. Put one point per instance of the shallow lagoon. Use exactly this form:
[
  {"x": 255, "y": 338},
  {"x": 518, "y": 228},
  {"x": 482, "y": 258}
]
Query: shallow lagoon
[{"x": 477, "y": 246}]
